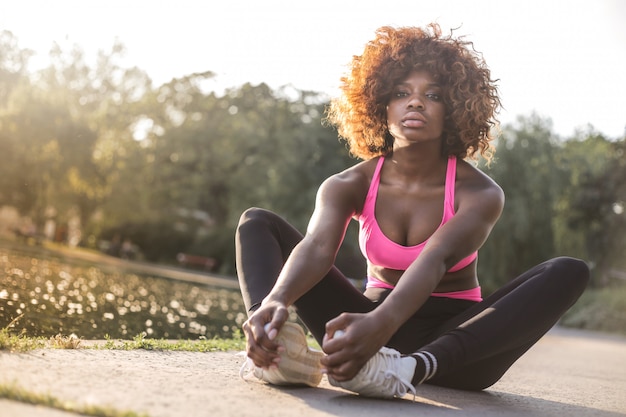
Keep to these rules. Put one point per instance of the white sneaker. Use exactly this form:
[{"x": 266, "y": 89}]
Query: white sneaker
[
  {"x": 299, "y": 364},
  {"x": 386, "y": 375}
]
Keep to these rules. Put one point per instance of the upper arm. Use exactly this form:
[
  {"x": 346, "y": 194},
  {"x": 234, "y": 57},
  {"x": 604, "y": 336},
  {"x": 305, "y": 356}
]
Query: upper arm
[
  {"x": 336, "y": 202},
  {"x": 480, "y": 204}
]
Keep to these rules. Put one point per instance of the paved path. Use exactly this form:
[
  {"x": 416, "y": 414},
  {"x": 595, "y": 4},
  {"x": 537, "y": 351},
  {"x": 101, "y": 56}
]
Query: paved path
[{"x": 568, "y": 373}]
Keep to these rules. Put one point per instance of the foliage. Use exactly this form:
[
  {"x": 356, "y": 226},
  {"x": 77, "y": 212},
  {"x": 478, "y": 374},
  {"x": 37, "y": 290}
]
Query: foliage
[
  {"x": 601, "y": 309},
  {"x": 19, "y": 342},
  {"x": 590, "y": 213},
  {"x": 172, "y": 167},
  {"x": 171, "y": 239},
  {"x": 236, "y": 343},
  {"x": 562, "y": 198},
  {"x": 89, "y": 294},
  {"x": 525, "y": 170},
  {"x": 22, "y": 343},
  {"x": 60, "y": 341}
]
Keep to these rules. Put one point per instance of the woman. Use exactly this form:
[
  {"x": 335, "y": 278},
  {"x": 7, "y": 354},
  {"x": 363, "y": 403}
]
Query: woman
[{"x": 414, "y": 106}]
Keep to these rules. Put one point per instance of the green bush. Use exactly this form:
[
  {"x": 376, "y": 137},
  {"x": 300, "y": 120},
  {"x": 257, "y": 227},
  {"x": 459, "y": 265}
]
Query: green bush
[
  {"x": 602, "y": 309},
  {"x": 157, "y": 241}
]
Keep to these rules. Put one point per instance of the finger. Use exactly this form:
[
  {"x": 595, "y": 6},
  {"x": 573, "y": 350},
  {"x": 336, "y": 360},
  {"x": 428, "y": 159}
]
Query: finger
[
  {"x": 259, "y": 344},
  {"x": 273, "y": 327},
  {"x": 265, "y": 342},
  {"x": 338, "y": 341},
  {"x": 261, "y": 357},
  {"x": 344, "y": 371},
  {"x": 339, "y": 355},
  {"x": 341, "y": 322},
  {"x": 342, "y": 368}
]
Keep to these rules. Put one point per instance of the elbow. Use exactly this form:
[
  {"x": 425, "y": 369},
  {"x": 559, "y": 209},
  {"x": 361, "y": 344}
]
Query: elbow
[
  {"x": 439, "y": 260},
  {"x": 320, "y": 254}
]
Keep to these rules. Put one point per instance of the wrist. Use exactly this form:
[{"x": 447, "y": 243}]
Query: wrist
[
  {"x": 388, "y": 319},
  {"x": 383, "y": 325},
  {"x": 273, "y": 298}
]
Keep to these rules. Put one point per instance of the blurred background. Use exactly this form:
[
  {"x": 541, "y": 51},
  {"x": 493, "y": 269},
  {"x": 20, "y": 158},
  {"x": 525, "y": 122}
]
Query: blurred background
[{"x": 154, "y": 165}]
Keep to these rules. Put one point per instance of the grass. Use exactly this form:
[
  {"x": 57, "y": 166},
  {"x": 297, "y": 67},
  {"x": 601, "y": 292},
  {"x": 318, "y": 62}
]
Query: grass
[
  {"x": 202, "y": 345},
  {"x": 598, "y": 309},
  {"x": 16, "y": 393},
  {"x": 21, "y": 343},
  {"x": 18, "y": 342}
]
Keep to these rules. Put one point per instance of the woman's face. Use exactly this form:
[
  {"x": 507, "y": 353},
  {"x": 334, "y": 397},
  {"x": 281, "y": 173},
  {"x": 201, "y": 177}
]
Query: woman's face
[{"x": 416, "y": 112}]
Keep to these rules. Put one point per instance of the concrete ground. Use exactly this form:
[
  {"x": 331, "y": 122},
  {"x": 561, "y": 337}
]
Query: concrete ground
[{"x": 568, "y": 373}]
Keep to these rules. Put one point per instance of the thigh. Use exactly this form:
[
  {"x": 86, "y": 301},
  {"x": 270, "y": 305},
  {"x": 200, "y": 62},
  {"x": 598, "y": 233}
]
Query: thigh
[
  {"x": 423, "y": 327},
  {"x": 548, "y": 283},
  {"x": 263, "y": 242},
  {"x": 333, "y": 295},
  {"x": 476, "y": 347}
]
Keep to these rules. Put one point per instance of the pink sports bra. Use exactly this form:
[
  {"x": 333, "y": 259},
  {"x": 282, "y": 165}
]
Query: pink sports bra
[{"x": 382, "y": 251}]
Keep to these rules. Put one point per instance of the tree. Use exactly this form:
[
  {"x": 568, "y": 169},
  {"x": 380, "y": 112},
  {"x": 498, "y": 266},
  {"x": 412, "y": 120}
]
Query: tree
[
  {"x": 525, "y": 169},
  {"x": 61, "y": 128},
  {"x": 13, "y": 76},
  {"x": 13, "y": 65},
  {"x": 590, "y": 216}
]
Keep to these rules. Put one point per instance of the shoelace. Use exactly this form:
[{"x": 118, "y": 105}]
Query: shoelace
[
  {"x": 390, "y": 359},
  {"x": 388, "y": 374},
  {"x": 247, "y": 368}
]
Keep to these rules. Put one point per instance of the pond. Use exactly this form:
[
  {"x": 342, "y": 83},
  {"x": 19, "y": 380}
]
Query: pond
[{"x": 56, "y": 294}]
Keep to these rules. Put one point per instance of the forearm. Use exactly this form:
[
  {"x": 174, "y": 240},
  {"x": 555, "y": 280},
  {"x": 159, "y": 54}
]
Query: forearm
[{"x": 411, "y": 292}]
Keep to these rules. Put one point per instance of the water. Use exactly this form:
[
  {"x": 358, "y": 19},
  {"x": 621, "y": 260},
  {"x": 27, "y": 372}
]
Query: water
[{"x": 58, "y": 295}]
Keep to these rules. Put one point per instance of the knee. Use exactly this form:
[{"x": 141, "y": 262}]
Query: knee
[
  {"x": 250, "y": 219},
  {"x": 255, "y": 221},
  {"x": 574, "y": 272},
  {"x": 253, "y": 215}
]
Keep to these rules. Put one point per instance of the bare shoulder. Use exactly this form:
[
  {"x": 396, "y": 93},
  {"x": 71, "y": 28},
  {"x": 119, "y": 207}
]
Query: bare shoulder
[
  {"x": 474, "y": 186},
  {"x": 350, "y": 185}
]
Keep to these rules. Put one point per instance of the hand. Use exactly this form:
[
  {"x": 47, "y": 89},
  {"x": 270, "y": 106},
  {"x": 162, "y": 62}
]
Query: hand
[
  {"x": 363, "y": 336},
  {"x": 261, "y": 329}
]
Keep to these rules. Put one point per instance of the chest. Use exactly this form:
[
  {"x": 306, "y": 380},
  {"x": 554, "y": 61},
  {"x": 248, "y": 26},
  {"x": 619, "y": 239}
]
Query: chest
[{"x": 409, "y": 216}]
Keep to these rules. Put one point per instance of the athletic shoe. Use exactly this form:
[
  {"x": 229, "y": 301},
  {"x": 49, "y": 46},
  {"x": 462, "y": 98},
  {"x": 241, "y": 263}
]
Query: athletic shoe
[
  {"x": 299, "y": 364},
  {"x": 386, "y": 375}
]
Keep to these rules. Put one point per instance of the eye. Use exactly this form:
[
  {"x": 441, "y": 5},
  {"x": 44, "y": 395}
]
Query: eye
[
  {"x": 400, "y": 93},
  {"x": 434, "y": 96}
]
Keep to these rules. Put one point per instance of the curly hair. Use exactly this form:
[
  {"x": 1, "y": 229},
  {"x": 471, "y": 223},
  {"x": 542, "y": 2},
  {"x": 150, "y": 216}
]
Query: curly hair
[{"x": 470, "y": 95}]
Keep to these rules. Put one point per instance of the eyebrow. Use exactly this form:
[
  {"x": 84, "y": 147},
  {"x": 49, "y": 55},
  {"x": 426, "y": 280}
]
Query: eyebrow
[{"x": 430, "y": 85}]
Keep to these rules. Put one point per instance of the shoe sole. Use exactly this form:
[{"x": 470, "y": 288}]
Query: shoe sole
[{"x": 299, "y": 364}]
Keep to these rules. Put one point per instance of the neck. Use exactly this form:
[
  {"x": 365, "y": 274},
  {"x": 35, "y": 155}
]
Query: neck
[{"x": 417, "y": 162}]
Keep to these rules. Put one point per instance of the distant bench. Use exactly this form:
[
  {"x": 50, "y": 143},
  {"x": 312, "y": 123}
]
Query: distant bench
[
  {"x": 28, "y": 237},
  {"x": 186, "y": 260}
]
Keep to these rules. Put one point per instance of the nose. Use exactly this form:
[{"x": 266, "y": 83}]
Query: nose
[{"x": 415, "y": 102}]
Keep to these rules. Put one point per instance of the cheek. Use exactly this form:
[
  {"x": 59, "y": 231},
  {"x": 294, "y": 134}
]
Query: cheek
[
  {"x": 393, "y": 114},
  {"x": 442, "y": 116}
]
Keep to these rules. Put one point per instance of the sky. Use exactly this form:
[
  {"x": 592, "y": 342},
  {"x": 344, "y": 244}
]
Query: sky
[{"x": 564, "y": 60}]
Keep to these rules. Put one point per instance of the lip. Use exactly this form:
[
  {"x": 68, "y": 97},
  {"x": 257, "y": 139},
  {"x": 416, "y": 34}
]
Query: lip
[
  {"x": 413, "y": 120},
  {"x": 413, "y": 116}
]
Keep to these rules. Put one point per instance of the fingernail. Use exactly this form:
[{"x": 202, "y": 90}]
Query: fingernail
[{"x": 272, "y": 334}]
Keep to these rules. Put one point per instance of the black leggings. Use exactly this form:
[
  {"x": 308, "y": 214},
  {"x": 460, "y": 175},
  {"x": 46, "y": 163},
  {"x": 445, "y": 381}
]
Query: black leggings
[{"x": 475, "y": 342}]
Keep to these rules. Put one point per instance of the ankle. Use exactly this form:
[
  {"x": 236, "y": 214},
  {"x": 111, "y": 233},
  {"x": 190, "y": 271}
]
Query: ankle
[{"x": 426, "y": 367}]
